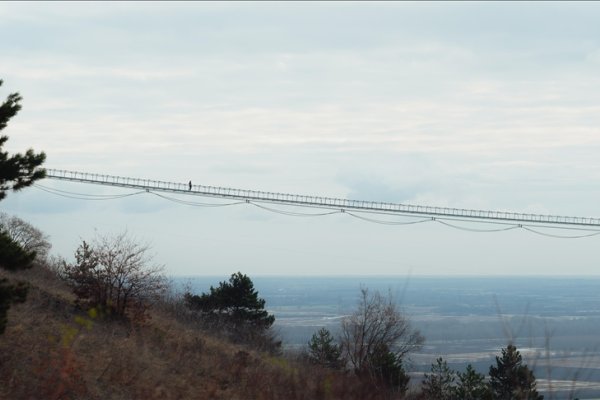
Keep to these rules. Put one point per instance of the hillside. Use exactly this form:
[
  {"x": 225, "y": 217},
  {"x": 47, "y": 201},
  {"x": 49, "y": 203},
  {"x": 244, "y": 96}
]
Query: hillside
[{"x": 53, "y": 350}]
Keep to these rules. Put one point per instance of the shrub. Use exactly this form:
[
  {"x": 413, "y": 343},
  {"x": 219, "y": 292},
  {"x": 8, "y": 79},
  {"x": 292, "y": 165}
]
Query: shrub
[{"x": 115, "y": 274}]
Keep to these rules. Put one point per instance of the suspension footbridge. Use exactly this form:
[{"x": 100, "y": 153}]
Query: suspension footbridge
[{"x": 357, "y": 208}]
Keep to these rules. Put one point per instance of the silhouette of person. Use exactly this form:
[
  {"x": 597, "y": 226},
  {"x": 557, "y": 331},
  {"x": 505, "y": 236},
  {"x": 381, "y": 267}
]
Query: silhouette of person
[{"x": 190, "y": 185}]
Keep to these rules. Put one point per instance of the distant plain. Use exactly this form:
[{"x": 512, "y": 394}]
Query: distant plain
[{"x": 554, "y": 321}]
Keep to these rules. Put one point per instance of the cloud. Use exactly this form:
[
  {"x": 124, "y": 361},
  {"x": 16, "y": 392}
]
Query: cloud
[
  {"x": 370, "y": 189},
  {"x": 460, "y": 105}
]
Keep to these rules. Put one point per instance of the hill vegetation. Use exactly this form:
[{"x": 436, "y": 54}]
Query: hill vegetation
[
  {"x": 54, "y": 349},
  {"x": 57, "y": 347}
]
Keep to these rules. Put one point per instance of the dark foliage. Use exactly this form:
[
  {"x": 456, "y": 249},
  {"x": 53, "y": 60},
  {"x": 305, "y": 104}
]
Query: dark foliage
[
  {"x": 322, "y": 350},
  {"x": 385, "y": 369},
  {"x": 472, "y": 385},
  {"x": 12, "y": 256},
  {"x": 86, "y": 277},
  {"x": 510, "y": 379},
  {"x": 18, "y": 170},
  {"x": 10, "y": 294},
  {"x": 236, "y": 300},
  {"x": 443, "y": 383},
  {"x": 235, "y": 309},
  {"x": 439, "y": 384}
]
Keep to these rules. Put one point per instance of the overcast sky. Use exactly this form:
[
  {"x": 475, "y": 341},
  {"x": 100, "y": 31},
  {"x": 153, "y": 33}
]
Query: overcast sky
[{"x": 469, "y": 105}]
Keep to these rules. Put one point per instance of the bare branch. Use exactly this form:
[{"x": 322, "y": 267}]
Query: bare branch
[
  {"x": 116, "y": 272},
  {"x": 377, "y": 324}
]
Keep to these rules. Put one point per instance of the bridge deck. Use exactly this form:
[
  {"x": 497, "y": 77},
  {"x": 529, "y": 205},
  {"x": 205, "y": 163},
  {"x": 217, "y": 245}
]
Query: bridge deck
[{"x": 321, "y": 202}]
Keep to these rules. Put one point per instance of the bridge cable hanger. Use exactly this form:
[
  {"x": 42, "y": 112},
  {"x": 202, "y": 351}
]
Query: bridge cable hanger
[{"x": 354, "y": 208}]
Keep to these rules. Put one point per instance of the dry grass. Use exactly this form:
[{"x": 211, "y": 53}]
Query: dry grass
[{"x": 52, "y": 350}]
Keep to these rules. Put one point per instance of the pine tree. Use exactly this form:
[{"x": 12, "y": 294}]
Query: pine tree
[
  {"x": 472, "y": 385},
  {"x": 18, "y": 170},
  {"x": 439, "y": 384},
  {"x": 510, "y": 379},
  {"x": 322, "y": 349},
  {"x": 235, "y": 309},
  {"x": 386, "y": 367},
  {"x": 236, "y": 301},
  {"x": 12, "y": 256}
]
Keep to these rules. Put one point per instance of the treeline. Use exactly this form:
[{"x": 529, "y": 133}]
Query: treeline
[{"x": 375, "y": 340}]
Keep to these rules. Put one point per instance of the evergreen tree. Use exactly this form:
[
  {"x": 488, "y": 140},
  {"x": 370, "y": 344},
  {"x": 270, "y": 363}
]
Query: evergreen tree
[
  {"x": 472, "y": 385},
  {"x": 234, "y": 309},
  {"x": 323, "y": 350},
  {"x": 386, "y": 367},
  {"x": 439, "y": 384},
  {"x": 18, "y": 170},
  {"x": 236, "y": 301},
  {"x": 510, "y": 379},
  {"x": 12, "y": 256}
]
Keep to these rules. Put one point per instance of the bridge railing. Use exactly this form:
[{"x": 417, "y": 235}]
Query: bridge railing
[{"x": 315, "y": 201}]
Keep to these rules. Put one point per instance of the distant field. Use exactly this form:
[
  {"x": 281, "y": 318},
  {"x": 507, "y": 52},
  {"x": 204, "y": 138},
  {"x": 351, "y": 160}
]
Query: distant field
[{"x": 553, "y": 321}]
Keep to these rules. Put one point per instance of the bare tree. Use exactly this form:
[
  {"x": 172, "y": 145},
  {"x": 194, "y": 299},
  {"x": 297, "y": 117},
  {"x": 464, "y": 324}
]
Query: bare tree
[
  {"x": 377, "y": 324},
  {"x": 26, "y": 235},
  {"x": 115, "y": 273}
]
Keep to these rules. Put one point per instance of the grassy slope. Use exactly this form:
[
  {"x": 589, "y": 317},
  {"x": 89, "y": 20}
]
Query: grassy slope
[{"x": 52, "y": 350}]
